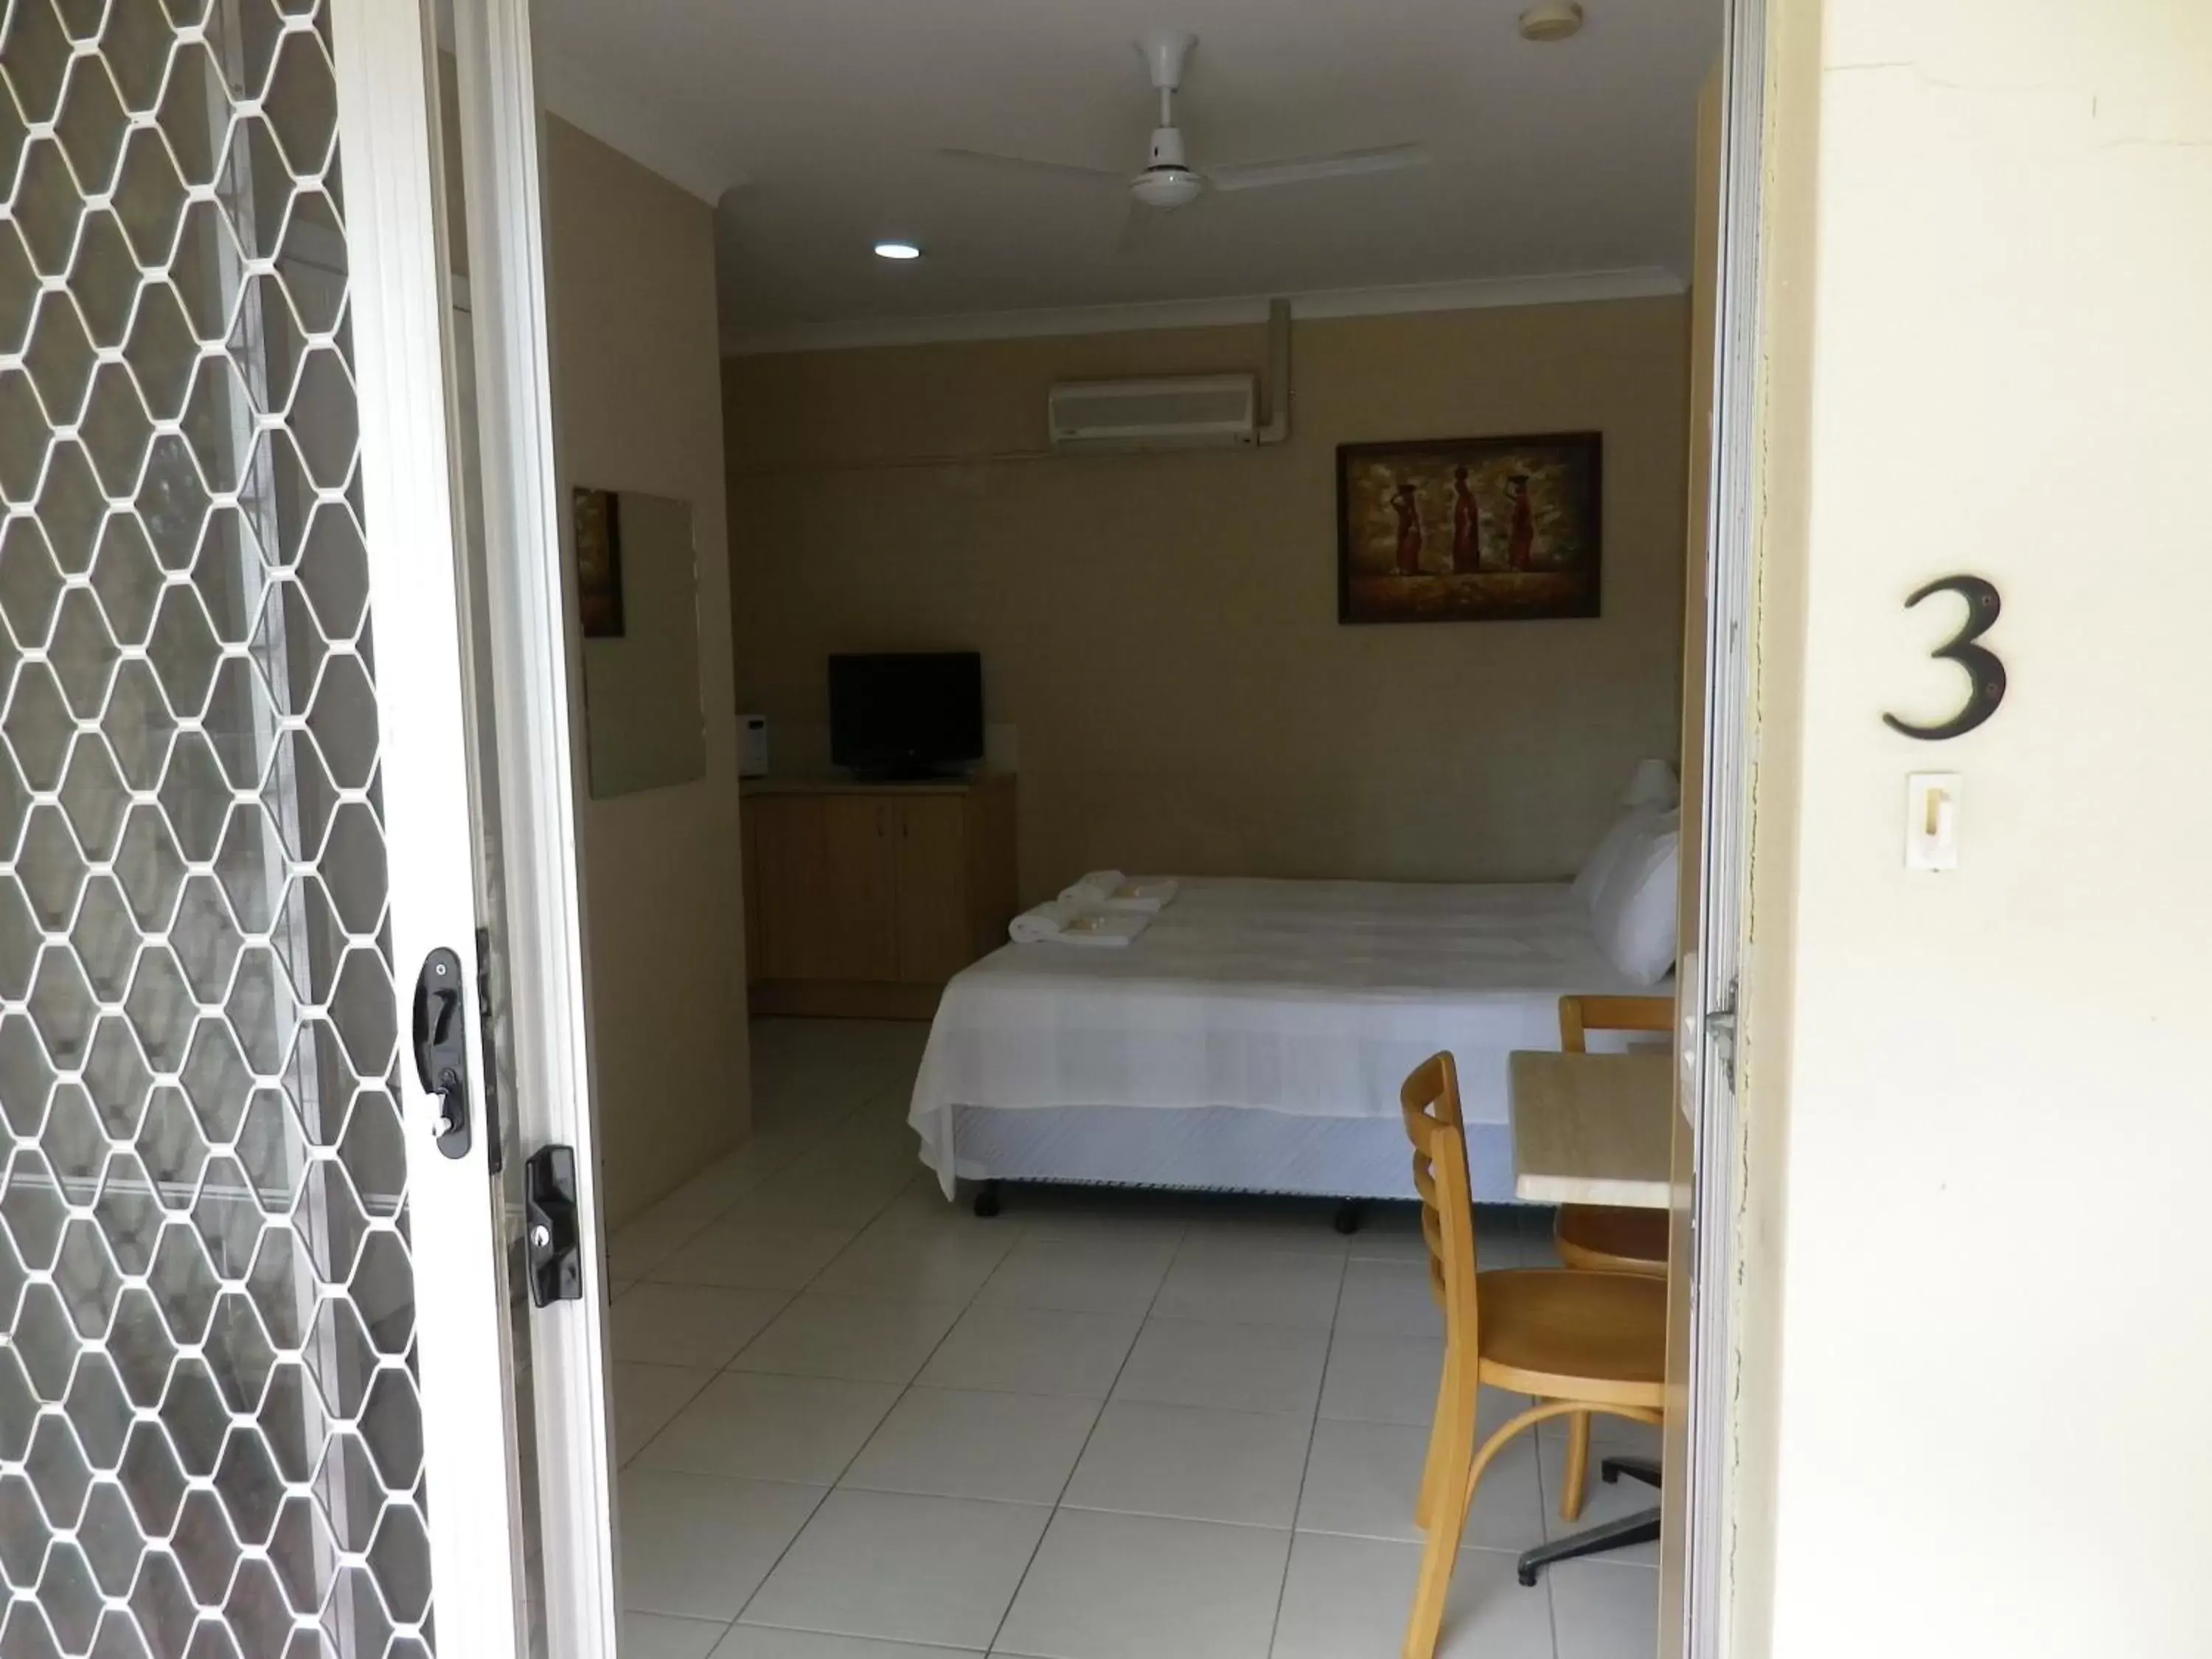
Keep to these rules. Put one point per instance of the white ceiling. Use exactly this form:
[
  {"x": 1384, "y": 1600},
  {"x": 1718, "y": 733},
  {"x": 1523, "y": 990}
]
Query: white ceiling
[{"x": 816, "y": 121}]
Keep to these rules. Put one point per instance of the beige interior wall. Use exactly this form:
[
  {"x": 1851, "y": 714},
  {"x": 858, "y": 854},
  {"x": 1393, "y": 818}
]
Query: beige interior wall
[
  {"x": 1161, "y": 629},
  {"x": 1981, "y": 1104},
  {"x": 638, "y": 407}
]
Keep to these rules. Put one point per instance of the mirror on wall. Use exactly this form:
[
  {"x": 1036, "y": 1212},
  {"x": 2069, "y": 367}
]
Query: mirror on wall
[{"x": 637, "y": 593}]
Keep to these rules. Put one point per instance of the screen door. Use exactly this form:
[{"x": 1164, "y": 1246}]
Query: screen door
[{"x": 253, "y": 1396}]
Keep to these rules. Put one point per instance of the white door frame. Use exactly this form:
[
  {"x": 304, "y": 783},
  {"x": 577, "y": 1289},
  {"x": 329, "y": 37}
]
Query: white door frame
[
  {"x": 531, "y": 679},
  {"x": 1709, "y": 991},
  {"x": 397, "y": 309}
]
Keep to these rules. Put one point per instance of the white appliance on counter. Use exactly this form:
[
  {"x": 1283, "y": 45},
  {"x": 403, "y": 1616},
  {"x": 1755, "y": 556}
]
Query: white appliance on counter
[{"x": 752, "y": 746}]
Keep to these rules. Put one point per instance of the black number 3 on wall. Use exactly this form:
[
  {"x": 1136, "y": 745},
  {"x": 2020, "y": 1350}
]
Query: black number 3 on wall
[{"x": 1984, "y": 672}]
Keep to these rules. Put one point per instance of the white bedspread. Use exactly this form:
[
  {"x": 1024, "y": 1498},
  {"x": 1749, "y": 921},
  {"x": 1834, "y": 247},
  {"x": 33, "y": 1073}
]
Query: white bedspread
[{"x": 1310, "y": 997}]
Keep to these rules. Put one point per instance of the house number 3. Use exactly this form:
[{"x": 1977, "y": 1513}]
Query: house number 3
[{"x": 1985, "y": 675}]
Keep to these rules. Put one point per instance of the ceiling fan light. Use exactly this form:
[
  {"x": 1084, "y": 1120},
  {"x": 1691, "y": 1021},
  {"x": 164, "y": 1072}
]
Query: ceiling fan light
[
  {"x": 1167, "y": 187},
  {"x": 901, "y": 251},
  {"x": 1552, "y": 20}
]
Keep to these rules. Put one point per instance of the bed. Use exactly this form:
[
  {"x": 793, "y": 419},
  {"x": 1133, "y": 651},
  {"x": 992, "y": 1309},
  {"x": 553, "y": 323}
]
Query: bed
[{"x": 1254, "y": 1038}]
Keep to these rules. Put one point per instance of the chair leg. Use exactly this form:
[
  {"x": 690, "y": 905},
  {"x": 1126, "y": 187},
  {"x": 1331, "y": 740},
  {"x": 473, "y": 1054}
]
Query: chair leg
[
  {"x": 1434, "y": 1476},
  {"x": 1577, "y": 1477},
  {"x": 1450, "y": 1446}
]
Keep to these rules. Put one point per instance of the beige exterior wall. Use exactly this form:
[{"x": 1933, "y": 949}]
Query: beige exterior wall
[
  {"x": 1981, "y": 1106},
  {"x": 638, "y": 407},
  {"x": 1161, "y": 629}
]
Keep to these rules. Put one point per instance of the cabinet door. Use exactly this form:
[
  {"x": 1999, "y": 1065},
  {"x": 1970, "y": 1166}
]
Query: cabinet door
[
  {"x": 936, "y": 934},
  {"x": 829, "y": 887}
]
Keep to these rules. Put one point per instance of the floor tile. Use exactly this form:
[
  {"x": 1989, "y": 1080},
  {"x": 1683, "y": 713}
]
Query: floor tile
[
  {"x": 1137, "y": 1587},
  {"x": 1383, "y": 1379},
  {"x": 697, "y": 1547},
  {"x": 1389, "y": 1298},
  {"x": 1257, "y": 1368},
  {"x": 1603, "y": 1609},
  {"x": 1306, "y": 1225},
  {"x": 1256, "y": 1287},
  {"x": 647, "y": 1397},
  {"x": 1032, "y": 1351},
  {"x": 1362, "y": 1480},
  {"x": 656, "y": 1636},
  {"x": 863, "y": 1340},
  {"x": 921, "y": 1205},
  {"x": 771, "y": 1428},
  {"x": 902, "y": 1568},
  {"x": 814, "y": 1192},
  {"x": 1193, "y": 1462},
  {"x": 1348, "y": 1598},
  {"x": 952, "y": 1443},
  {"x": 745, "y": 1254},
  {"x": 1390, "y": 1231},
  {"x": 643, "y": 1243},
  {"x": 1393, "y": 1379},
  {"x": 1097, "y": 1215},
  {"x": 1601, "y": 1503},
  {"x": 758, "y": 1642},
  {"x": 690, "y": 1324},
  {"x": 933, "y": 1266},
  {"x": 1079, "y": 1275},
  {"x": 716, "y": 1188}
]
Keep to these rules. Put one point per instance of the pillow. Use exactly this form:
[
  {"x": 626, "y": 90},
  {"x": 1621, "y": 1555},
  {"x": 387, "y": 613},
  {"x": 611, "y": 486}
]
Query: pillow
[
  {"x": 1633, "y": 915},
  {"x": 1628, "y": 830},
  {"x": 1654, "y": 785}
]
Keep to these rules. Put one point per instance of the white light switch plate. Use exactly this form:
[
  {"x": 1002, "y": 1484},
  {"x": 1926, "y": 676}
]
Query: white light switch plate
[{"x": 1931, "y": 821}]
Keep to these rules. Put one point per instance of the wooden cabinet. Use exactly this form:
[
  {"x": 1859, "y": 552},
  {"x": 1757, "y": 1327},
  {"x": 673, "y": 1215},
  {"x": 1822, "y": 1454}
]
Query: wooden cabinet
[{"x": 863, "y": 899}]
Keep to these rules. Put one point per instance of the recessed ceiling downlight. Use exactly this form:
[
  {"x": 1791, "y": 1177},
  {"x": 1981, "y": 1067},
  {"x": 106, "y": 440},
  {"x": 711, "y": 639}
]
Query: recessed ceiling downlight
[
  {"x": 897, "y": 250},
  {"x": 1552, "y": 20}
]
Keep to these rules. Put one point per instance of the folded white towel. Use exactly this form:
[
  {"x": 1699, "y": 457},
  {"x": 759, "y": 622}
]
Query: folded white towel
[
  {"x": 1110, "y": 890},
  {"x": 1094, "y": 889},
  {"x": 1145, "y": 895},
  {"x": 1058, "y": 921}
]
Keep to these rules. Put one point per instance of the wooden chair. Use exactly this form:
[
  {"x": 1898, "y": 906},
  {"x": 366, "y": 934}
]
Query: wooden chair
[
  {"x": 1578, "y": 1341},
  {"x": 1605, "y": 1238},
  {"x": 1600, "y": 1236}
]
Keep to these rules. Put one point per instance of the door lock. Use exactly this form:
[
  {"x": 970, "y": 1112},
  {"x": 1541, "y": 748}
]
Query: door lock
[
  {"x": 441, "y": 1047},
  {"x": 549, "y": 1230}
]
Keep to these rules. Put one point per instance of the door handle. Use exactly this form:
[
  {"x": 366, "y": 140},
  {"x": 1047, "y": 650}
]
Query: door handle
[{"x": 441, "y": 1047}]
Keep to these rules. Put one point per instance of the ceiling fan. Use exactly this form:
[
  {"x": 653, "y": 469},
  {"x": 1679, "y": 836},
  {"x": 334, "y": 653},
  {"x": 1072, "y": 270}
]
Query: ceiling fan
[{"x": 1167, "y": 181}]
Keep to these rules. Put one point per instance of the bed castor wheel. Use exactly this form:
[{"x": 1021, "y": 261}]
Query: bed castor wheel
[
  {"x": 987, "y": 1201},
  {"x": 1346, "y": 1220}
]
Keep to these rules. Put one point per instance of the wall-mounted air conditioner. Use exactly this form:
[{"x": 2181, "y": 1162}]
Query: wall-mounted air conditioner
[{"x": 1191, "y": 412}]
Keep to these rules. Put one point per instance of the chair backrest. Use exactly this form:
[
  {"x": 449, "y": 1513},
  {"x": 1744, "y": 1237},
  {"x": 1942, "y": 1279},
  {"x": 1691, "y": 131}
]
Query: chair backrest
[
  {"x": 1430, "y": 1103},
  {"x": 1580, "y": 1015}
]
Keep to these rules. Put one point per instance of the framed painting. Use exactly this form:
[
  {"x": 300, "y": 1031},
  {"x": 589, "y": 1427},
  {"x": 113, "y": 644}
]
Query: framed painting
[
  {"x": 598, "y": 563},
  {"x": 1468, "y": 529}
]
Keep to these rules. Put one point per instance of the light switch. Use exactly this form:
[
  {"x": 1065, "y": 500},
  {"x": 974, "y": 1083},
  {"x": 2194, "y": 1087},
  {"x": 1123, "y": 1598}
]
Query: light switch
[{"x": 1931, "y": 821}]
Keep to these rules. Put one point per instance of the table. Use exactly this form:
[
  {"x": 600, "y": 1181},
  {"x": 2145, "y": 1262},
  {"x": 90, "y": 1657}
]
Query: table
[{"x": 1594, "y": 1129}]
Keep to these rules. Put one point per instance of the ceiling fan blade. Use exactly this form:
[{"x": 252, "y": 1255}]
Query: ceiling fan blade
[
  {"x": 1035, "y": 167},
  {"x": 1259, "y": 175}
]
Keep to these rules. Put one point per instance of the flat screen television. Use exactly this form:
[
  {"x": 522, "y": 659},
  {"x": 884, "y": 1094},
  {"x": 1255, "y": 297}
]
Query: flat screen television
[{"x": 906, "y": 714}]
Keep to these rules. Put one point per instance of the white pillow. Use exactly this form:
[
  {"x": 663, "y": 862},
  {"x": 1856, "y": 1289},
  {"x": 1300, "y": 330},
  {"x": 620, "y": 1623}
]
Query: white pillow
[
  {"x": 1629, "y": 829},
  {"x": 1653, "y": 784},
  {"x": 1634, "y": 913}
]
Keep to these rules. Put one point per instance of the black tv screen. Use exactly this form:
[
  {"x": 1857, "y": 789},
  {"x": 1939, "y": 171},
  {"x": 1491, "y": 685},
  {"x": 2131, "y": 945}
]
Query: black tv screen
[{"x": 909, "y": 713}]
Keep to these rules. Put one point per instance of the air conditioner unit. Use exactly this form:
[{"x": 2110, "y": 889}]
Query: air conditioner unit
[{"x": 1191, "y": 412}]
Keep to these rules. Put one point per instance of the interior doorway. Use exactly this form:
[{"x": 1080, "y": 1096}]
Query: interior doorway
[{"x": 733, "y": 1223}]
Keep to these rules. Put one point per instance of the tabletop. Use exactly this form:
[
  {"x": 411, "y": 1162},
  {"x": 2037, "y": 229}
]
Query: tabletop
[{"x": 1593, "y": 1128}]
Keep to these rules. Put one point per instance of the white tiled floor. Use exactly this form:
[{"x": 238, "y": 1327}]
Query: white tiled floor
[{"x": 857, "y": 1423}]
